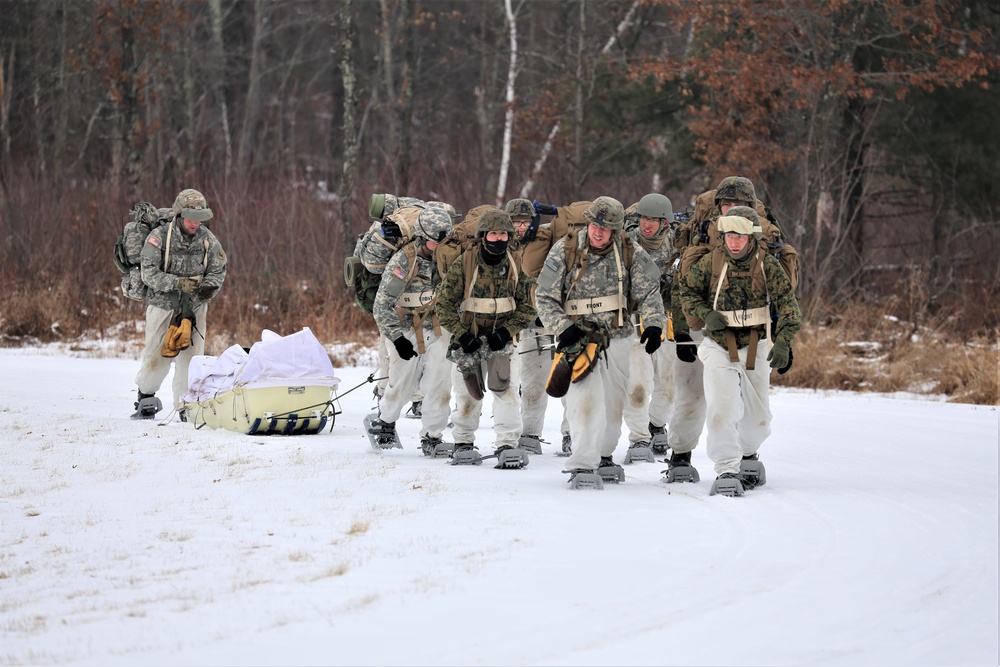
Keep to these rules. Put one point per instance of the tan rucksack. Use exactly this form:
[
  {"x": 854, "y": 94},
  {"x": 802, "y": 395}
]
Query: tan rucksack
[
  {"x": 568, "y": 219},
  {"x": 463, "y": 237}
]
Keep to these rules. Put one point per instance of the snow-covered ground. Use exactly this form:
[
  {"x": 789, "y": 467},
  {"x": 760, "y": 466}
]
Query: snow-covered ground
[{"x": 874, "y": 541}]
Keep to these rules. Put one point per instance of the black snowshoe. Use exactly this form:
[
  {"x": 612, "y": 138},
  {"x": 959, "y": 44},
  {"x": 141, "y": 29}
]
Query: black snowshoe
[
  {"x": 752, "y": 473},
  {"x": 381, "y": 434},
  {"x": 659, "y": 439},
  {"x": 680, "y": 469},
  {"x": 147, "y": 406},
  {"x": 435, "y": 447},
  {"x": 610, "y": 471}
]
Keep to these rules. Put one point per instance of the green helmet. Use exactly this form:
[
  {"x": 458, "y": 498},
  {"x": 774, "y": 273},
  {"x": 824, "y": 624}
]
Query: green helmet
[
  {"x": 376, "y": 207},
  {"x": 655, "y": 205},
  {"x": 736, "y": 188},
  {"x": 433, "y": 224},
  {"x": 191, "y": 205},
  {"x": 606, "y": 212},
  {"x": 520, "y": 208},
  {"x": 494, "y": 220}
]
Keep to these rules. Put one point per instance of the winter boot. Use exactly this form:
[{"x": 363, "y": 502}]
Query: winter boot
[
  {"x": 146, "y": 406},
  {"x": 530, "y": 443},
  {"x": 610, "y": 471},
  {"x": 680, "y": 469},
  {"x": 752, "y": 472},
  {"x": 659, "y": 442},
  {"x": 465, "y": 454},
  {"x": 435, "y": 448},
  {"x": 639, "y": 451},
  {"x": 567, "y": 446},
  {"x": 414, "y": 411},
  {"x": 183, "y": 414},
  {"x": 584, "y": 479},
  {"x": 381, "y": 434},
  {"x": 511, "y": 457},
  {"x": 727, "y": 484}
]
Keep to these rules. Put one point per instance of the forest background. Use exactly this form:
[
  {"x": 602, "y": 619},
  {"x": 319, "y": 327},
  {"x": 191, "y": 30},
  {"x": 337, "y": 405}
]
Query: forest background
[{"x": 869, "y": 127}]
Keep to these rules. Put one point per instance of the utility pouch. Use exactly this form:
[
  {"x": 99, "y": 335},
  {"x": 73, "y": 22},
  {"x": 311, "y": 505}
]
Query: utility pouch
[{"x": 498, "y": 373}]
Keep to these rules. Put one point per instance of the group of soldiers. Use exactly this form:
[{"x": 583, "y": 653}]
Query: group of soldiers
[{"x": 607, "y": 318}]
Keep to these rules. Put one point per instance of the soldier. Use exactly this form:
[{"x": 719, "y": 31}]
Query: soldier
[
  {"x": 183, "y": 266},
  {"x": 732, "y": 289},
  {"x": 405, "y": 313},
  {"x": 484, "y": 302},
  {"x": 586, "y": 294},
  {"x": 651, "y": 387}
]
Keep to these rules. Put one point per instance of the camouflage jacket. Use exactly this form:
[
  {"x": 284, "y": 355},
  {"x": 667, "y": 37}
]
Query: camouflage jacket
[
  {"x": 598, "y": 278},
  {"x": 696, "y": 294},
  {"x": 197, "y": 256},
  {"x": 663, "y": 257},
  {"x": 409, "y": 277},
  {"x": 493, "y": 282}
]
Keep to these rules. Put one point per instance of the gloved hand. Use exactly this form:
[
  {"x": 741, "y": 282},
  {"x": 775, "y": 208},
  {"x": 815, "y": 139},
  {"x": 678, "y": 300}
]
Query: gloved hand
[
  {"x": 572, "y": 335},
  {"x": 206, "y": 292},
  {"x": 544, "y": 209},
  {"x": 469, "y": 342},
  {"x": 686, "y": 353},
  {"x": 498, "y": 339},
  {"x": 391, "y": 231},
  {"x": 538, "y": 322},
  {"x": 784, "y": 369},
  {"x": 652, "y": 337},
  {"x": 780, "y": 355},
  {"x": 715, "y": 321},
  {"x": 188, "y": 285},
  {"x": 405, "y": 348}
]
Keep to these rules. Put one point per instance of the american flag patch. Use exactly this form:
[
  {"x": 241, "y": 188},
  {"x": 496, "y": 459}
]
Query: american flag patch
[
  {"x": 399, "y": 273},
  {"x": 153, "y": 241}
]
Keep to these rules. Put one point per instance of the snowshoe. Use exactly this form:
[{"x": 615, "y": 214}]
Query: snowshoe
[
  {"x": 659, "y": 442},
  {"x": 584, "y": 479},
  {"x": 680, "y": 469},
  {"x": 183, "y": 415},
  {"x": 465, "y": 454},
  {"x": 436, "y": 448},
  {"x": 610, "y": 471},
  {"x": 567, "y": 446},
  {"x": 639, "y": 451},
  {"x": 147, "y": 406},
  {"x": 727, "y": 484},
  {"x": 752, "y": 473},
  {"x": 382, "y": 435},
  {"x": 511, "y": 457},
  {"x": 530, "y": 443},
  {"x": 415, "y": 410}
]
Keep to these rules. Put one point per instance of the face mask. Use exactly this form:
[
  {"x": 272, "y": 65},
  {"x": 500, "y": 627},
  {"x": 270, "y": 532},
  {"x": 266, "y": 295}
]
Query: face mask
[{"x": 495, "y": 247}]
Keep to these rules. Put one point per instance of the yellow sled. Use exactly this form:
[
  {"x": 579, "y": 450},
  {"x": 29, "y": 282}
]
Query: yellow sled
[{"x": 288, "y": 410}]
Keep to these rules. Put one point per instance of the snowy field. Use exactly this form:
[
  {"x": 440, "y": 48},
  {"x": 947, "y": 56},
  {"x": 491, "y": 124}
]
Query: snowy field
[{"x": 874, "y": 541}]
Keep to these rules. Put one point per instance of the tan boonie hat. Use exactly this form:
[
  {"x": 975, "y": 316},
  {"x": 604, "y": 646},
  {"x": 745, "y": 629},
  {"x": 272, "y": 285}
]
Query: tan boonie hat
[{"x": 191, "y": 205}]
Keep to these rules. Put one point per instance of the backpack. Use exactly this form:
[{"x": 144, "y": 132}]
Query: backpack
[
  {"x": 568, "y": 220},
  {"x": 463, "y": 237},
  {"x": 372, "y": 251},
  {"x": 128, "y": 247}
]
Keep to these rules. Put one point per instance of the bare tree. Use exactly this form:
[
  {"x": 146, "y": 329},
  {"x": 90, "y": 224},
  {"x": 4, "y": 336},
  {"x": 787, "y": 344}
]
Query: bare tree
[{"x": 350, "y": 129}]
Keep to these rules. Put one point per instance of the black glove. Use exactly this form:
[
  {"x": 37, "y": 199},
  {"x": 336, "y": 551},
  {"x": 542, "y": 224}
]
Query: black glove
[
  {"x": 206, "y": 292},
  {"x": 686, "y": 353},
  {"x": 545, "y": 209},
  {"x": 652, "y": 337},
  {"x": 469, "y": 342},
  {"x": 188, "y": 285},
  {"x": 391, "y": 231},
  {"x": 572, "y": 335},
  {"x": 538, "y": 322},
  {"x": 405, "y": 348},
  {"x": 498, "y": 339}
]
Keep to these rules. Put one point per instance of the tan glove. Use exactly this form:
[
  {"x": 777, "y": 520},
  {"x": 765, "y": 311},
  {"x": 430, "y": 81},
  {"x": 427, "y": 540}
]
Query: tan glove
[
  {"x": 169, "y": 350},
  {"x": 183, "y": 340},
  {"x": 188, "y": 285}
]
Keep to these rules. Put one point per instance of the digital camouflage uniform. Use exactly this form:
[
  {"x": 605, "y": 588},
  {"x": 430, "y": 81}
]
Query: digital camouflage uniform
[
  {"x": 738, "y": 412},
  {"x": 407, "y": 289},
  {"x": 514, "y": 311},
  {"x": 595, "y": 404},
  {"x": 197, "y": 256}
]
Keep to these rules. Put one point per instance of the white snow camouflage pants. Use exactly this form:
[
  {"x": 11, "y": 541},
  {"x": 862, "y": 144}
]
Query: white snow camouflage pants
[
  {"x": 688, "y": 417},
  {"x": 534, "y": 365},
  {"x": 429, "y": 370},
  {"x": 154, "y": 368},
  {"x": 594, "y": 407},
  {"x": 506, "y": 410},
  {"x": 738, "y": 408},
  {"x": 651, "y": 389}
]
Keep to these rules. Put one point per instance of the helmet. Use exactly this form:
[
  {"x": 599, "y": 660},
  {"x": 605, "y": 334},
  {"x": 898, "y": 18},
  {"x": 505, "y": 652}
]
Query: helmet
[
  {"x": 191, "y": 205},
  {"x": 749, "y": 214},
  {"x": 736, "y": 224},
  {"x": 520, "y": 208},
  {"x": 376, "y": 207},
  {"x": 433, "y": 224},
  {"x": 655, "y": 205},
  {"x": 736, "y": 188},
  {"x": 605, "y": 212},
  {"x": 494, "y": 220}
]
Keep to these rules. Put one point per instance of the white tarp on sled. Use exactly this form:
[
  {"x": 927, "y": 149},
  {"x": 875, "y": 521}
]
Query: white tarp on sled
[{"x": 282, "y": 385}]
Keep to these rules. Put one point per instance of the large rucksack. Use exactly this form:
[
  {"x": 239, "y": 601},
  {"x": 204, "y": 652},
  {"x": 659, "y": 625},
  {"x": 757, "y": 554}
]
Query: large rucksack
[
  {"x": 373, "y": 249},
  {"x": 463, "y": 237},
  {"x": 128, "y": 247},
  {"x": 568, "y": 219}
]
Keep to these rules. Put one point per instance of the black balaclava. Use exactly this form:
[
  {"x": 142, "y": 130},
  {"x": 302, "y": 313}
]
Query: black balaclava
[{"x": 494, "y": 251}]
